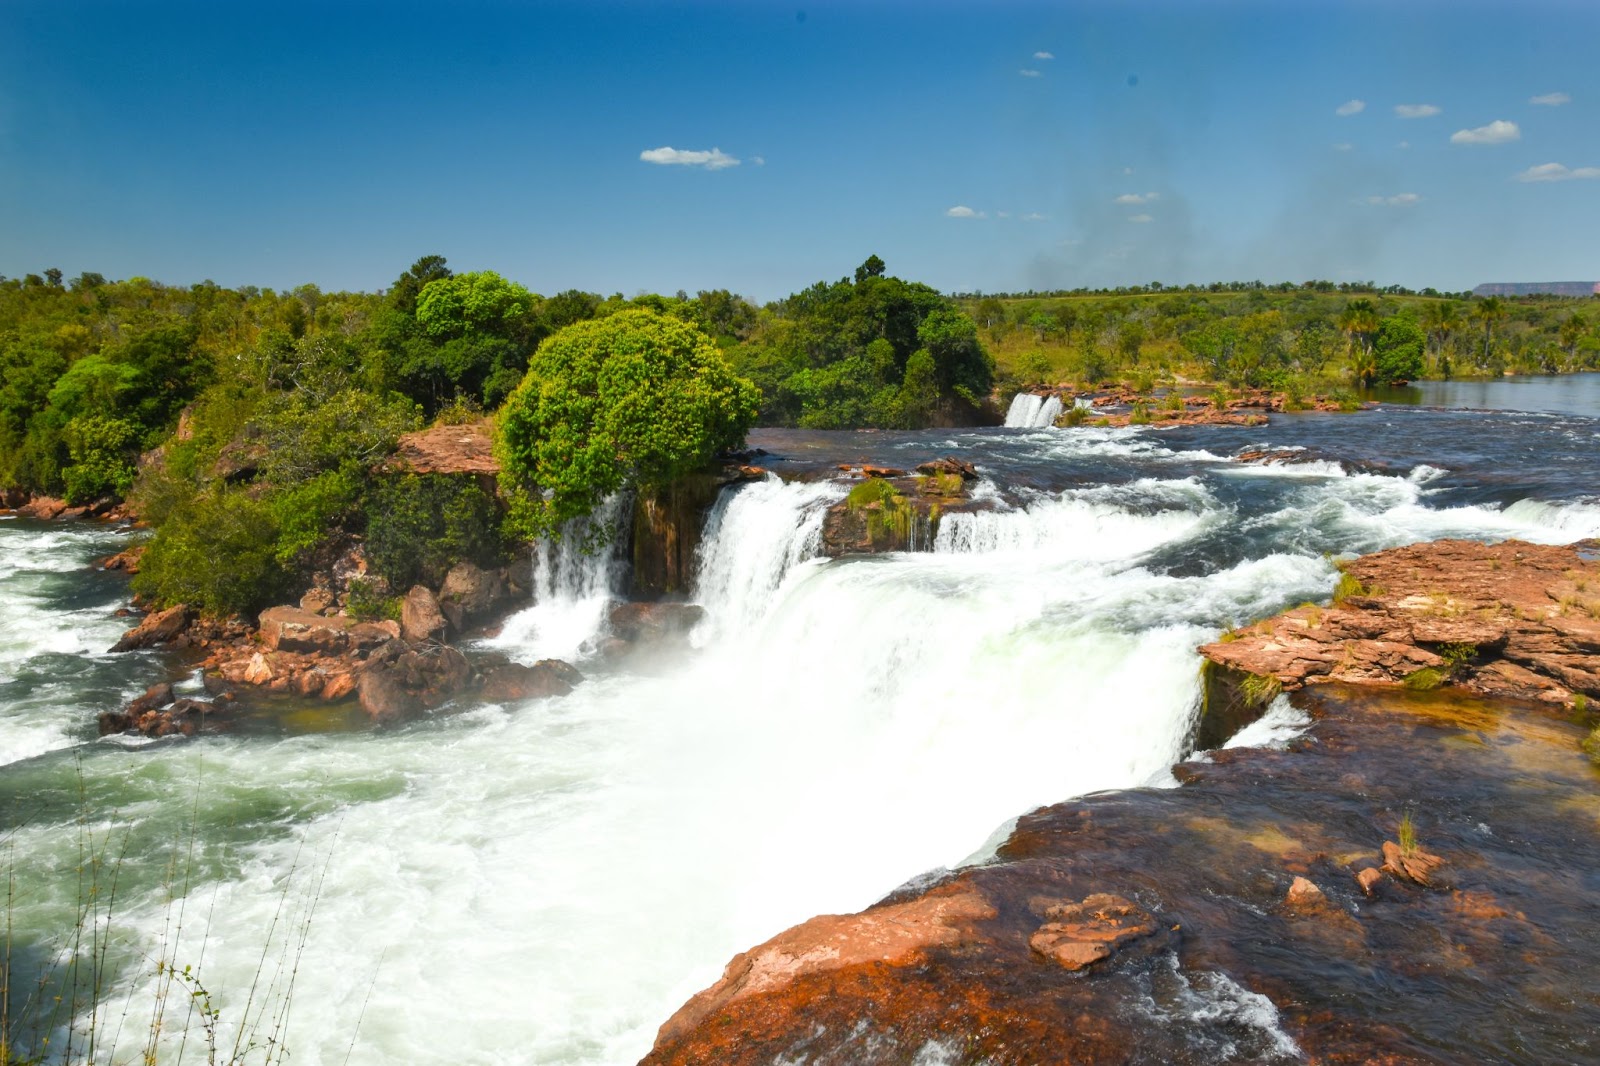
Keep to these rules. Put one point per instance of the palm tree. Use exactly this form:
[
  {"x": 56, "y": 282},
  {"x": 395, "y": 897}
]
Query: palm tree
[
  {"x": 1441, "y": 318},
  {"x": 1359, "y": 321},
  {"x": 1489, "y": 310},
  {"x": 1572, "y": 331}
]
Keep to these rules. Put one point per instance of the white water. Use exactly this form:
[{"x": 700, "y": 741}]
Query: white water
[
  {"x": 1028, "y": 411},
  {"x": 547, "y": 883}
]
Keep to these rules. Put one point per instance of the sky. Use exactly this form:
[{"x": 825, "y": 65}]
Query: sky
[{"x": 760, "y": 147}]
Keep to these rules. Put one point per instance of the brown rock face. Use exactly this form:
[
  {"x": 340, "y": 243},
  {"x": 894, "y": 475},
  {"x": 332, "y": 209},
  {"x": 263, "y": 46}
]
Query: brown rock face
[
  {"x": 1415, "y": 865},
  {"x": 157, "y": 628},
  {"x": 510, "y": 682},
  {"x": 421, "y": 620},
  {"x": 892, "y": 934},
  {"x": 1513, "y": 619},
  {"x": 654, "y": 622},
  {"x": 1078, "y": 934},
  {"x": 470, "y": 594},
  {"x": 297, "y": 629},
  {"x": 466, "y": 449},
  {"x": 417, "y": 679}
]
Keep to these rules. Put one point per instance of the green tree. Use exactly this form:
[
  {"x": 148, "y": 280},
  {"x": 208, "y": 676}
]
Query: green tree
[
  {"x": 1489, "y": 310},
  {"x": 1397, "y": 350},
  {"x": 1359, "y": 321},
  {"x": 635, "y": 399}
]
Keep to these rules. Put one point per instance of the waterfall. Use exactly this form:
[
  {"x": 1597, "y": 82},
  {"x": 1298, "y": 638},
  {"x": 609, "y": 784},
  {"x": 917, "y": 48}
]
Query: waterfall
[
  {"x": 1032, "y": 412},
  {"x": 572, "y": 588}
]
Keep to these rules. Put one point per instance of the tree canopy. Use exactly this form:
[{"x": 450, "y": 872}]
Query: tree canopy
[{"x": 638, "y": 398}]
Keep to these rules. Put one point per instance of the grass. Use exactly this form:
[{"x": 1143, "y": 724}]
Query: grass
[
  {"x": 1408, "y": 835},
  {"x": 1349, "y": 585},
  {"x": 1140, "y": 416},
  {"x": 1073, "y": 416},
  {"x": 1457, "y": 655},
  {"x": 1425, "y": 680},
  {"x": 1259, "y": 690},
  {"x": 67, "y": 1012}
]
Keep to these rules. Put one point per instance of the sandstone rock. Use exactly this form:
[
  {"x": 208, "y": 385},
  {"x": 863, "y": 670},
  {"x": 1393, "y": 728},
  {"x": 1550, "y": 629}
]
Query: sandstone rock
[
  {"x": 259, "y": 671},
  {"x": 460, "y": 449},
  {"x": 654, "y": 622},
  {"x": 1368, "y": 878},
  {"x": 421, "y": 621},
  {"x": 125, "y": 561},
  {"x": 45, "y": 507},
  {"x": 154, "y": 696},
  {"x": 385, "y": 698},
  {"x": 1416, "y": 865},
  {"x": 1303, "y": 894},
  {"x": 299, "y": 630},
  {"x": 415, "y": 680},
  {"x": 892, "y": 934},
  {"x": 157, "y": 628},
  {"x": 510, "y": 682},
  {"x": 950, "y": 465},
  {"x": 317, "y": 600},
  {"x": 1081, "y": 933},
  {"x": 339, "y": 686},
  {"x": 470, "y": 594}
]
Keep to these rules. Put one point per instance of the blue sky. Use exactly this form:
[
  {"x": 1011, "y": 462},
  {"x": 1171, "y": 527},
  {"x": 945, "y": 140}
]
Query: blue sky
[{"x": 994, "y": 146}]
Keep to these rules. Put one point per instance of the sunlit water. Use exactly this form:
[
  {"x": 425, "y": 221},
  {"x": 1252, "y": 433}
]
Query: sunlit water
[{"x": 546, "y": 883}]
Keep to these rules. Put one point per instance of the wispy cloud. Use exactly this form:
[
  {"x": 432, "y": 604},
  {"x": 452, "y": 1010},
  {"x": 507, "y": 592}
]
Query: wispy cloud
[
  {"x": 1350, "y": 107},
  {"x": 1404, "y": 199},
  {"x": 1344, "y": 146},
  {"x": 1134, "y": 199},
  {"x": 1551, "y": 100},
  {"x": 1029, "y": 73},
  {"x": 759, "y": 161},
  {"x": 1416, "y": 110},
  {"x": 1497, "y": 132},
  {"x": 1043, "y": 55},
  {"x": 962, "y": 211},
  {"x": 1403, "y": 145},
  {"x": 1033, "y": 216},
  {"x": 716, "y": 159},
  {"x": 1557, "y": 172},
  {"x": 1141, "y": 218}
]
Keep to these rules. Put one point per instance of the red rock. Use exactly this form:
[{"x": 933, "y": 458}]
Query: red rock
[
  {"x": 299, "y": 630},
  {"x": 339, "y": 686},
  {"x": 1304, "y": 894},
  {"x": 1416, "y": 865},
  {"x": 469, "y": 594},
  {"x": 45, "y": 507},
  {"x": 1081, "y": 933},
  {"x": 1368, "y": 878},
  {"x": 462, "y": 449},
  {"x": 157, "y": 628},
  {"x": 421, "y": 621},
  {"x": 636, "y": 622},
  {"x": 258, "y": 671},
  {"x": 317, "y": 600},
  {"x": 510, "y": 682}
]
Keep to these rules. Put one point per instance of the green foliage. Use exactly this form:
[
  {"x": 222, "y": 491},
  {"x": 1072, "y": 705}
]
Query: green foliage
[
  {"x": 1408, "y": 835},
  {"x": 1074, "y": 415},
  {"x": 1397, "y": 350},
  {"x": 1140, "y": 415},
  {"x": 420, "y": 526},
  {"x": 368, "y": 604},
  {"x": 102, "y": 451},
  {"x": 306, "y": 512},
  {"x": 846, "y": 354},
  {"x": 1457, "y": 655},
  {"x": 637, "y": 398},
  {"x": 1349, "y": 585},
  {"x": 218, "y": 553},
  {"x": 1425, "y": 679},
  {"x": 889, "y": 514},
  {"x": 1259, "y": 690},
  {"x": 304, "y": 437}
]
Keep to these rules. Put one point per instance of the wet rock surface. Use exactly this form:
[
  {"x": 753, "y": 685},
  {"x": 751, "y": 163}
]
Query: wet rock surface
[
  {"x": 1263, "y": 945},
  {"x": 1512, "y": 619}
]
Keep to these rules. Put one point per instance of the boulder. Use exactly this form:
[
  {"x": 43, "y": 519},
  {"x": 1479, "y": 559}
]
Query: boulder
[
  {"x": 654, "y": 622},
  {"x": 1303, "y": 894},
  {"x": 1078, "y": 934},
  {"x": 45, "y": 507},
  {"x": 317, "y": 601},
  {"x": 125, "y": 561},
  {"x": 385, "y": 698},
  {"x": 421, "y": 621},
  {"x": 511, "y": 682},
  {"x": 415, "y": 680},
  {"x": 470, "y": 594},
  {"x": 157, "y": 628},
  {"x": 949, "y": 465},
  {"x": 1416, "y": 865},
  {"x": 299, "y": 630}
]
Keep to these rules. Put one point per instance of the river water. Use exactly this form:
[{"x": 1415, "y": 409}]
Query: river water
[{"x": 546, "y": 883}]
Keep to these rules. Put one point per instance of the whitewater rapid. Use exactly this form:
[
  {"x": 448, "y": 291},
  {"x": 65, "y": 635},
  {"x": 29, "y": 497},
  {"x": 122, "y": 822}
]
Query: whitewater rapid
[{"x": 548, "y": 882}]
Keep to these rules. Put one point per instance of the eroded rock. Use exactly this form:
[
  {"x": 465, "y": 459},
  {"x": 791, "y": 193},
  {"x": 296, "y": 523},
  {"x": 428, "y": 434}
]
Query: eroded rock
[
  {"x": 421, "y": 621},
  {"x": 159, "y": 627},
  {"x": 1085, "y": 932}
]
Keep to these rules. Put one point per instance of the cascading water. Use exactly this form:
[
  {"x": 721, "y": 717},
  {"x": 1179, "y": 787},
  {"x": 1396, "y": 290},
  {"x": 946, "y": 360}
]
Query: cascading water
[
  {"x": 556, "y": 878},
  {"x": 1028, "y": 411},
  {"x": 575, "y": 578}
]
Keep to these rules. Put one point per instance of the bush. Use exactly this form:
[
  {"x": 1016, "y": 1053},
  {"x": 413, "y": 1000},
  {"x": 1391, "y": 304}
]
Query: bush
[
  {"x": 635, "y": 399},
  {"x": 217, "y": 553},
  {"x": 418, "y": 527},
  {"x": 101, "y": 450}
]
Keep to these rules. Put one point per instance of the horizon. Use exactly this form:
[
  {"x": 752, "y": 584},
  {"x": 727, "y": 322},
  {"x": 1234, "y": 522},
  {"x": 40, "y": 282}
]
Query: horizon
[{"x": 633, "y": 148}]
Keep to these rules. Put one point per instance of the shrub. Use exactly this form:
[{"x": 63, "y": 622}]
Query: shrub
[
  {"x": 1349, "y": 585},
  {"x": 218, "y": 553},
  {"x": 102, "y": 450},
  {"x": 1073, "y": 416},
  {"x": 1425, "y": 680},
  {"x": 418, "y": 527},
  {"x": 1259, "y": 690}
]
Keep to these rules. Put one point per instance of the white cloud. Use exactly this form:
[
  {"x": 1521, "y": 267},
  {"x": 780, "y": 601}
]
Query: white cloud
[
  {"x": 963, "y": 211},
  {"x": 1141, "y": 218},
  {"x": 1403, "y": 144},
  {"x": 1551, "y": 100},
  {"x": 1033, "y": 216},
  {"x": 1029, "y": 73},
  {"x": 716, "y": 159},
  {"x": 1343, "y": 146},
  {"x": 1557, "y": 172},
  {"x": 1350, "y": 107},
  {"x": 758, "y": 160},
  {"x": 1133, "y": 199},
  {"x": 1043, "y": 55},
  {"x": 1127, "y": 172},
  {"x": 1002, "y": 214},
  {"x": 1416, "y": 110},
  {"x": 1497, "y": 132},
  {"x": 1404, "y": 199}
]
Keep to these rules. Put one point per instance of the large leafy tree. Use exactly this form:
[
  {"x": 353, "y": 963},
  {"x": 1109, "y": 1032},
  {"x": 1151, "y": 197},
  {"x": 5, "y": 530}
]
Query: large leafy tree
[
  {"x": 636, "y": 399},
  {"x": 1397, "y": 350}
]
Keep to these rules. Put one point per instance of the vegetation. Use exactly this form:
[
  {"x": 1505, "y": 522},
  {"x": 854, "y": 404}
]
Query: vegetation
[
  {"x": 1259, "y": 690},
  {"x": 638, "y": 399}
]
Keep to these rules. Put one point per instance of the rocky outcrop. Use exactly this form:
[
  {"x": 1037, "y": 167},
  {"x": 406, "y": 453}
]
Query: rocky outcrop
[
  {"x": 471, "y": 594},
  {"x": 462, "y": 449},
  {"x": 1242, "y": 917},
  {"x": 159, "y": 713},
  {"x": 1512, "y": 620},
  {"x": 889, "y": 511},
  {"x": 654, "y": 623},
  {"x": 399, "y": 683},
  {"x": 158, "y": 627},
  {"x": 421, "y": 620},
  {"x": 513, "y": 682},
  {"x": 295, "y": 629}
]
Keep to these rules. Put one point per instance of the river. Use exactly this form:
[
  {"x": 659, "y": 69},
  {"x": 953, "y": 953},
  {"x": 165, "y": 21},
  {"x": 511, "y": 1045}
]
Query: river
[{"x": 546, "y": 883}]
